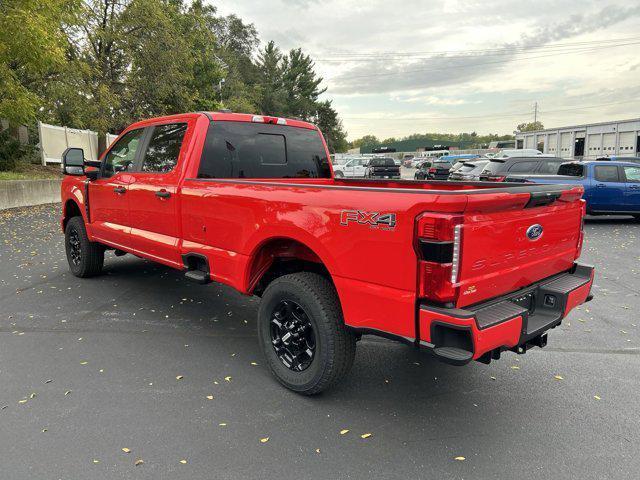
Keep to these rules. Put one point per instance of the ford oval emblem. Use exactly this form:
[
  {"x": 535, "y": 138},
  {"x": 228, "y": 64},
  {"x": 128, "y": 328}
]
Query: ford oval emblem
[{"x": 534, "y": 232}]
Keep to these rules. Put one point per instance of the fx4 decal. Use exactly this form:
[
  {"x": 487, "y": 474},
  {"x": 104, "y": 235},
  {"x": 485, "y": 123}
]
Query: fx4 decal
[{"x": 383, "y": 221}]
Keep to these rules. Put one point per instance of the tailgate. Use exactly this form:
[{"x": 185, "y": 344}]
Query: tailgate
[{"x": 502, "y": 251}]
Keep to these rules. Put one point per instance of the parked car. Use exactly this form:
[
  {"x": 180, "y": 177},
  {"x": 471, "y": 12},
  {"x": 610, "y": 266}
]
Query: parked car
[
  {"x": 441, "y": 166},
  {"x": 250, "y": 201},
  {"x": 469, "y": 171},
  {"x": 382, "y": 168},
  {"x": 620, "y": 159},
  {"x": 422, "y": 170},
  {"x": 611, "y": 188},
  {"x": 351, "y": 168},
  {"x": 499, "y": 168},
  {"x": 518, "y": 152},
  {"x": 406, "y": 159}
]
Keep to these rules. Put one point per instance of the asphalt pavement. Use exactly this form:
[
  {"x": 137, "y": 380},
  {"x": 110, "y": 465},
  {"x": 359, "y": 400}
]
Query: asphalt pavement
[{"x": 141, "y": 374}]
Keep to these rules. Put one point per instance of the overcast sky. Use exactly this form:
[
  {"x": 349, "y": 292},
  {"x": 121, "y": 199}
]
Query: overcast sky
[{"x": 395, "y": 68}]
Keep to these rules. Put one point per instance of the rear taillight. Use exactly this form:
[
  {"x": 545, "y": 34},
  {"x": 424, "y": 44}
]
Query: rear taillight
[
  {"x": 581, "y": 237},
  {"x": 433, "y": 170},
  {"x": 496, "y": 178},
  {"x": 438, "y": 243}
]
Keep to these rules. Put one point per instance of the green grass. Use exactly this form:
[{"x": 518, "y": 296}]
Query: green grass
[{"x": 32, "y": 172}]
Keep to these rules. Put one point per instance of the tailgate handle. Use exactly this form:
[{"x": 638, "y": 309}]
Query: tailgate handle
[{"x": 539, "y": 199}]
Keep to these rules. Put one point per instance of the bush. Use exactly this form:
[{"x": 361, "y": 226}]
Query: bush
[{"x": 11, "y": 152}]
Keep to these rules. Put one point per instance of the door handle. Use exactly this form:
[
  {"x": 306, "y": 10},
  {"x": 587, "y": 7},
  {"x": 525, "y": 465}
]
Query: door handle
[
  {"x": 163, "y": 194},
  {"x": 634, "y": 187},
  {"x": 120, "y": 190},
  {"x": 600, "y": 185}
]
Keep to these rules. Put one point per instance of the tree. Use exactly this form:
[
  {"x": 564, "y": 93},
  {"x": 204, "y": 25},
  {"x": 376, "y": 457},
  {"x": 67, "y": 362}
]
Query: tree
[
  {"x": 32, "y": 47},
  {"x": 530, "y": 127},
  {"x": 326, "y": 118},
  {"x": 301, "y": 85},
  {"x": 273, "y": 98}
]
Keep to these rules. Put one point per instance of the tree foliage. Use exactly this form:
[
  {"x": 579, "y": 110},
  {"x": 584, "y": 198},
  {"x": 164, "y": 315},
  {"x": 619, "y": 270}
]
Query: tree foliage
[
  {"x": 530, "y": 127},
  {"x": 102, "y": 64}
]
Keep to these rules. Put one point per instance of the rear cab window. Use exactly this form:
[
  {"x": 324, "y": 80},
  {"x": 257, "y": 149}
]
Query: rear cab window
[
  {"x": 252, "y": 150},
  {"x": 571, "y": 170}
]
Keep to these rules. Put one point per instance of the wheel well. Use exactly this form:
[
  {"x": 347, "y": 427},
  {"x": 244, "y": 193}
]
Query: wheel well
[
  {"x": 280, "y": 257},
  {"x": 71, "y": 209}
]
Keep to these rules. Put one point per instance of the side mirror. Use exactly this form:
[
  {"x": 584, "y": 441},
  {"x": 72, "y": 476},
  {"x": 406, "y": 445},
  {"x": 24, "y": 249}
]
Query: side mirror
[{"x": 73, "y": 161}]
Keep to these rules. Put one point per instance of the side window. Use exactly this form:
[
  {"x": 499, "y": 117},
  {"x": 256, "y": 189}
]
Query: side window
[
  {"x": 523, "y": 167},
  {"x": 550, "y": 168},
  {"x": 122, "y": 155},
  {"x": 164, "y": 148},
  {"x": 632, "y": 174},
  {"x": 607, "y": 173}
]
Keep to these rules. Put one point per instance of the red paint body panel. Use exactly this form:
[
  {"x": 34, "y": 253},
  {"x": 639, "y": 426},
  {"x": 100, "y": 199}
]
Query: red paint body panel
[{"x": 233, "y": 222}]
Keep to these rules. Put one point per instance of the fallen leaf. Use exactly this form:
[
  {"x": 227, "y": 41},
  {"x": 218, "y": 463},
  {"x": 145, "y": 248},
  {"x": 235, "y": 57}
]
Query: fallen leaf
[
  {"x": 222, "y": 424},
  {"x": 558, "y": 377},
  {"x": 209, "y": 397},
  {"x": 126, "y": 450},
  {"x": 254, "y": 363},
  {"x": 96, "y": 461},
  {"x": 317, "y": 450},
  {"x": 515, "y": 367},
  {"x": 67, "y": 392},
  {"x": 44, "y": 430},
  {"x": 366, "y": 435},
  {"x": 460, "y": 459},
  {"x": 24, "y": 400},
  {"x": 342, "y": 432},
  {"x": 83, "y": 363},
  {"x": 33, "y": 395},
  {"x": 138, "y": 462},
  {"x": 596, "y": 397},
  {"x": 228, "y": 379},
  {"x": 264, "y": 440},
  {"x": 183, "y": 461},
  {"x": 179, "y": 377}
]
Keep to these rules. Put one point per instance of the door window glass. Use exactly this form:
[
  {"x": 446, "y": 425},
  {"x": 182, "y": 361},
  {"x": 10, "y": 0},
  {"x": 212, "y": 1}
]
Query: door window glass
[
  {"x": 122, "y": 155},
  {"x": 164, "y": 148},
  {"x": 632, "y": 174},
  {"x": 608, "y": 173}
]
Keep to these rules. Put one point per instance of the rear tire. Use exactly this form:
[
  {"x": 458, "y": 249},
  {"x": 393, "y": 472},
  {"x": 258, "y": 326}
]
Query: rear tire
[
  {"x": 338, "y": 175},
  {"x": 85, "y": 258},
  {"x": 637, "y": 218},
  {"x": 320, "y": 351}
]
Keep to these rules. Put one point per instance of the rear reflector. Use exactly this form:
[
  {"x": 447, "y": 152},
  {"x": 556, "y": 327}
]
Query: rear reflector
[{"x": 455, "y": 261}]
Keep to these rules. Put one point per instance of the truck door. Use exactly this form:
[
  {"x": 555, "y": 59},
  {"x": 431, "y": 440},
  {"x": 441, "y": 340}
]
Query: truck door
[
  {"x": 607, "y": 189},
  {"x": 153, "y": 194},
  {"x": 108, "y": 195},
  {"x": 632, "y": 191}
]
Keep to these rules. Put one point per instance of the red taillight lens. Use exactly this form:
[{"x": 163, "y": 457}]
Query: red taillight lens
[
  {"x": 438, "y": 246},
  {"x": 497, "y": 179},
  {"x": 432, "y": 170}
]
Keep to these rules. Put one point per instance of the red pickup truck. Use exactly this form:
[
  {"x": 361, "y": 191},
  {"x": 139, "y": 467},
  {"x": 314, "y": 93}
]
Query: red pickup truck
[{"x": 465, "y": 270}]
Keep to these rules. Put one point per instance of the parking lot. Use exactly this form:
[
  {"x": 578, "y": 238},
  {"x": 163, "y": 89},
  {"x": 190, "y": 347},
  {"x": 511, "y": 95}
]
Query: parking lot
[{"x": 142, "y": 360}]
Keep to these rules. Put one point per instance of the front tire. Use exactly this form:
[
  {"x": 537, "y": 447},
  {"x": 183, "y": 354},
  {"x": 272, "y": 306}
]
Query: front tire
[
  {"x": 302, "y": 333},
  {"x": 85, "y": 258}
]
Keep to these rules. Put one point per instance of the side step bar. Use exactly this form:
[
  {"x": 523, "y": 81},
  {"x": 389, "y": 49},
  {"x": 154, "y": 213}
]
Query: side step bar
[
  {"x": 197, "y": 276},
  {"x": 197, "y": 267}
]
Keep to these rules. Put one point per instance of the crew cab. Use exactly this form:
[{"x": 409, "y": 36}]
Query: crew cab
[
  {"x": 469, "y": 270},
  {"x": 610, "y": 187}
]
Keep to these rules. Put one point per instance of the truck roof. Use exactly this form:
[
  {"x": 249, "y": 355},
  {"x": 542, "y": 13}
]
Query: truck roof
[{"x": 230, "y": 117}]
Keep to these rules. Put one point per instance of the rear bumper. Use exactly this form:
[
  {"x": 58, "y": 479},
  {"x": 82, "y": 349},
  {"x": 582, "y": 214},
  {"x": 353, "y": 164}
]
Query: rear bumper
[{"x": 516, "y": 321}]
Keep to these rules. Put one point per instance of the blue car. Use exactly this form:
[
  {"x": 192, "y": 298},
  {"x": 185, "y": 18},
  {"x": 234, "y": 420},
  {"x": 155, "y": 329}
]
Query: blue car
[{"x": 610, "y": 187}]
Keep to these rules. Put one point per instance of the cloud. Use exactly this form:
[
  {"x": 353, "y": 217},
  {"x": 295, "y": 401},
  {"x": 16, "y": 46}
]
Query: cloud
[{"x": 388, "y": 73}]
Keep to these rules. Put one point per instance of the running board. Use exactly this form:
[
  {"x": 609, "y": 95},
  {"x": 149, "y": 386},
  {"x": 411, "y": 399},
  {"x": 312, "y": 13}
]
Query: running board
[
  {"x": 453, "y": 355},
  {"x": 197, "y": 276}
]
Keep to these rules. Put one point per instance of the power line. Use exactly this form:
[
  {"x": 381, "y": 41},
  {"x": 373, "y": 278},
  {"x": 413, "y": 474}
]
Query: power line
[
  {"x": 509, "y": 49},
  {"x": 477, "y": 64},
  {"x": 492, "y": 115}
]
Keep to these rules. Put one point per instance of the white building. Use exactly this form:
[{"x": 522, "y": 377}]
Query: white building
[{"x": 586, "y": 141}]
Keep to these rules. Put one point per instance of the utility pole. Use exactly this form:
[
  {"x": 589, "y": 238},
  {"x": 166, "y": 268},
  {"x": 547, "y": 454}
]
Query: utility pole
[{"x": 535, "y": 112}]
